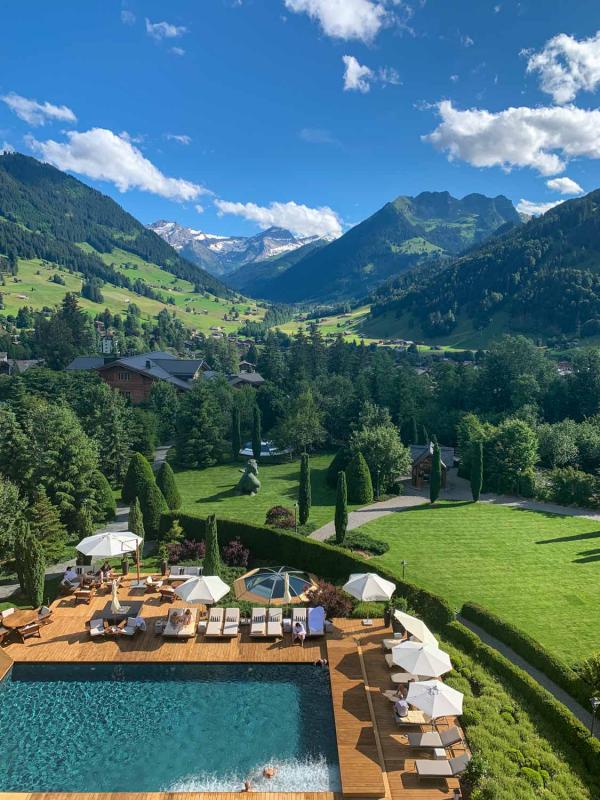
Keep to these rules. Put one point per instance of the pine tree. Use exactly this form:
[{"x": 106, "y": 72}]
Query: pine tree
[
  {"x": 83, "y": 522},
  {"x": 476, "y": 469},
  {"x": 33, "y": 569},
  {"x": 341, "y": 508},
  {"x": 435, "y": 480},
  {"x": 236, "y": 434},
  {"x": 360, "y": 486},
  {"x": 304, "y": 490},
  {"x": 20, "y": 546},
  {"x": 139, "y": 474},
  {"x": 414, "y": 436},
  {"x": 135, "y": 519},
  {"x": 256, "y": 433},
  {"x": 104, "y": 497},
  {"x": 153, "y": 505},
  {"x": 165, "y": 480},
  {"x": 212, "y": 559},
  {"x": 46, "y": 526}
]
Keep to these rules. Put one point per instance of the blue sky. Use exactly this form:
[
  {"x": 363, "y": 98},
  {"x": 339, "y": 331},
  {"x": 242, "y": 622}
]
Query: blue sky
[{"x": 305, "y": 113}]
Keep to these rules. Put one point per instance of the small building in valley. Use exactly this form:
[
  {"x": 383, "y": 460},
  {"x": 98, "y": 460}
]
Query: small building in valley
[{"x": 422, "y": 457}]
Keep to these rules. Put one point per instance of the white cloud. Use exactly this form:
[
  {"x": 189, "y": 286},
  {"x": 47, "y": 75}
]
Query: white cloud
[
  {"x": 199, "y": 208},
  {"x": 37, "y": 113},
  {"x": 357, "y": 77},
  {"x": 299, "y": 219},
  {"x": 541, "y": 138},
  {"x": 177, "y": 51},
  {"x": 466, "y": 41},
  {"x": 317, "y": 136},
  {"x": 6, "y": 147},
  {"x": 454, "y": 78},
  {"x": 344, "y": 19},
  {"x": 564, "y": 186},
  {"x": 533, "y": 209},
  {"x": 389, "y": 75},
  {"x": 103, "y": 155},
  {"x": 127, "y": 17},
  {"x": 567, "y": 65},
  {"x": 164, "y": 30},
  {"x": 182, "y": 138}
]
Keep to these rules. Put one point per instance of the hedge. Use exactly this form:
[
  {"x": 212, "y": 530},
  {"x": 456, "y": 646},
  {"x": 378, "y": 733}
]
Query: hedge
[
  {"x": 326, "y": 561},
  {"x": 563, "y": 721},
  {"x": 531, "y": 651}
]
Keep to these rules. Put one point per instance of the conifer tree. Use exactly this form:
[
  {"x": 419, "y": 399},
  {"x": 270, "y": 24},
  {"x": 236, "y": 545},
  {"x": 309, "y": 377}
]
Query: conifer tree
[
  {"x": 435, "y": 480},
  {"x": 256, "y": 433},
  {"x": 236, "y": 434},
  {"x": 104, "y": 497},
  {"x": 46, "y": 526},
  {"x": 360, "y": 485},
  {"x": 139, "y": 474},
  {"x": 135, "y": 519},
  {"x": 304, "y": 490},
  {"x": 153, "y": 505},
  {"x": 212, "y": 559},
  {"x": 165, "y": 480},
  {"x": 32, "y": 566},
  {"x": 341, "y": 508},
  {"x": 476, "y": 470}
]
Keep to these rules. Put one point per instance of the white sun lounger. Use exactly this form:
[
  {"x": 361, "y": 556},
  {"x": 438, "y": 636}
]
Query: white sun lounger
[
  {"x": 275, "y": 623},
  {"x": 434, "y": 768},
  {"x": 231, "y": 626},
  {"x": 258, "y": 626},
  {"x": 300, "y": 615},
  {"x": 96, "y": 627},
  {"x": 315, "y": 621},
  {"x": 433, "y": 739},
  {"x": 215, "y": 622},
  {"x": 179, "y": 631}
]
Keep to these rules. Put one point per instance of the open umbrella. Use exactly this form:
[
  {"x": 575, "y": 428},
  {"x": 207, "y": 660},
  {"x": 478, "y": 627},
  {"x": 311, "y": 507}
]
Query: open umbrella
[
  {"x": 207, "y": 590},
  {"x": 435, "y": 698},
  {"x": 111, "y": 544},
  {"x": 421, "y": 659},
  {"x": 416, "y": 627},
  {"x": 369, "y": 587},
  {"x": 115, "y": 605}
]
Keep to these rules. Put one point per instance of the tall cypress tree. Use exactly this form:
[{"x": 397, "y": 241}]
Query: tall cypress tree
[
  {"x": 135, "y": 520},
  {"x": 165, "y": 480},
  {"x": 435, "y": 480},
  {"x": 256, "y": 433},
  {"x": 33, "y": 568},
  {"x": 46, "y": 526},
  {"x": 236, "y": 434},
  {"x": 139, "y": 474},
  {"x": 153, "y": 505},
  {"x": 476, "y": 469},
  {"x": 304, "y": 491},
  {"x": 341, "y": 508},
  {"x": 212, "y": 559}
]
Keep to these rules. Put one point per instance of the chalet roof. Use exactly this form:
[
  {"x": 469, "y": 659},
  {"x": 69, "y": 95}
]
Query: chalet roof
[
  {"x": 86, "y": 362},
  {"x": 422, "y": 452},
  {"x": 251, "y": 378},
  {"x": 145, "y": 364}
]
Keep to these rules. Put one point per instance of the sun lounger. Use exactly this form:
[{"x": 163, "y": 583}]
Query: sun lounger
[
  {"x": 215, "y": 622},
  {"x": 433, "y": 739},
  {"x": 167, "y": 593},
  {"x": 275, "y": 624},
  {"x": 258, "y": 625},
  {"x": 315, "y": 621},
  {"x": 152, "y": 585},
  {"x": 134, "y": 625},
  {"x": 438, "y": 768},
  {"x": 231, "y": 626},
  {"x": 176, "y": 630},
  {"x": 299, "y": 615},
  {"x": 96, "y": 627}
]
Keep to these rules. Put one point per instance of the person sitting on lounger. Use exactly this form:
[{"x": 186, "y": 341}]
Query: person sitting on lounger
[
  {"x": 299, "y": 633},
  {"x": 71, "y": 576},
  {"x": 400, "y": 708}
]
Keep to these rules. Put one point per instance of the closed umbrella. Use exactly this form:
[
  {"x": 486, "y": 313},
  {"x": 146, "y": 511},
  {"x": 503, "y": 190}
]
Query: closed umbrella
[
  {"x": 369, "y": 587},
  {"x": 115, "y": 605},
  {"x": 207, "y": 590},
  {"x": 287, "y": 597},
  {"x": 416, "y": 627},
  {"x": 435, "y": 698},
  {"x": 111, "y": 544},
  {"x": 421, "y": 659}
]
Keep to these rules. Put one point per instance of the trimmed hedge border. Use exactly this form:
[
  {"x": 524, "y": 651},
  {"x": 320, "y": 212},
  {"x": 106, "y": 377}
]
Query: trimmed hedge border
[
  {"x": 558, "y": 715},
  {"x": 311, "y": 555},
  {"x": 531, "y": 650}
]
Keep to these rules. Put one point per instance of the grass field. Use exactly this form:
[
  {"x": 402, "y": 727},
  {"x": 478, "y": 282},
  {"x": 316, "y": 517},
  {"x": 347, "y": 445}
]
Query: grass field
[
  {"x": 212, "y": 491},
  {"x": 34, "y": 288},
  {"x": 538, "y": 571}
]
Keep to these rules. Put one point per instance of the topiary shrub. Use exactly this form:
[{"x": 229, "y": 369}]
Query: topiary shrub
[
  {"x": 139, "y": 474},
  {"x": 105, "y": 499},
  {"x": 358, "y": 477},
  {"x": 335, "y": 601},
  {"x": 281, "y": 517},
  {"x": 235, "y": 554},
  {"x": 153, "y": 505},
  {"x": 357, "y": 540},
  {"x": 338, "y": 464},
  {"x": 165, "y": 480}
]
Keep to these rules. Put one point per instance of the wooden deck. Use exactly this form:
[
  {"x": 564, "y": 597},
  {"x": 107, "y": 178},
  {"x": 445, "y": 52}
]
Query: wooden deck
[{"x": 374, "y": 758}]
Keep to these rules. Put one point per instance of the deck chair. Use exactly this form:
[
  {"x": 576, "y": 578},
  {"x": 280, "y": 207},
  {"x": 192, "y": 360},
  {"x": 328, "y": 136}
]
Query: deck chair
[
  {"x": 275, "y": 624},
  {"x": 438, "y": 768},
  {"x": 231, "y": 626},
  {"x": 215, "y": 622},
  {"x": 45, "y": 615},
  {"x": 167, "y": 593},
  {"x": 134, "y": 625},
  {"x": 315, "y": 621},
  {"x": 27, "y": 631},
  {"x": 258, "y": 625},
  {"x": 152, "y": 585},
  {"x": 96, "y": 628},
  {"x": 433, "y": 739}
]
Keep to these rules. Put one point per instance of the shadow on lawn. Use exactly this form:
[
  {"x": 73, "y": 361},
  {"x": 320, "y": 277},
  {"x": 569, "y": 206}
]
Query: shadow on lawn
[
  {"x": 576, "y": 537},
  {"x": 224, "y": 495},
  {"x": 587, "y": 556}
]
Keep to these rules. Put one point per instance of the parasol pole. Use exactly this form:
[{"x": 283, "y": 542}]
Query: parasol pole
[{"x": 137, "y": 560}]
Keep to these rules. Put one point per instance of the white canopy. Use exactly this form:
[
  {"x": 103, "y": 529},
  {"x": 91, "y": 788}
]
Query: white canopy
[
  {"x": 109, "y": 544},
  {"x": 369, "y": 587},
  {"x": 416, "y": 627},
  {"x": 207, "y": 589},
  {"x": 435, "y": 698},
  {"x": 421, "y": 659}
]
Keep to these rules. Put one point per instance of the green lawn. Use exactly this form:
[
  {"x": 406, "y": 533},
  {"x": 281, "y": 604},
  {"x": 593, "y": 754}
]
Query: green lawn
[
  {"x": 539, "y": 571},
  {"x": 212, "y": 491}
]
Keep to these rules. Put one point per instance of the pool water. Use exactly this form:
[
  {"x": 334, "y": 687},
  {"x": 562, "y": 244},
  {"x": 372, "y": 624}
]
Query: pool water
[{"x": 166, "y": 727}]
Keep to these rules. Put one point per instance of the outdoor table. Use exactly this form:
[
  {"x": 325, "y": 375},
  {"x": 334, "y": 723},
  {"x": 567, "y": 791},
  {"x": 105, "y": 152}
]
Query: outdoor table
[
  {"x": 19, "y": 619},
  {"x": 128, "y": 609}
]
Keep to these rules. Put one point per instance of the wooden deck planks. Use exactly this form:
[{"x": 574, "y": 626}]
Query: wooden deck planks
[{"x": 168, "y": 796}]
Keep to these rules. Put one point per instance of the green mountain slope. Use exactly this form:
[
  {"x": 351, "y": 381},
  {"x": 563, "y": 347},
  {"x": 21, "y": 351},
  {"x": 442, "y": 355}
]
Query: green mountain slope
[
  {"x": 542, "y": 278},
  {"x": 404, "y": 233},
  {"x": 254, "y": 279},
  {"x": 47, "y": 214}
]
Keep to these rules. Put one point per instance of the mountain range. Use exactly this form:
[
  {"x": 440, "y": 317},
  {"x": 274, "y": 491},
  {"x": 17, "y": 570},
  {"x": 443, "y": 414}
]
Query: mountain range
[{"x": 226, "y": 255}]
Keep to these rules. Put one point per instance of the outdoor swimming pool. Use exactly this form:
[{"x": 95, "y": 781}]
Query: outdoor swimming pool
[{"x": 166, "y": 727}]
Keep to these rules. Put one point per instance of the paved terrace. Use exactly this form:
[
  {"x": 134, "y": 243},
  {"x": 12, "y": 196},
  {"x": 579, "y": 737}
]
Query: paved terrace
[{"x": 375, "y": 761}]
